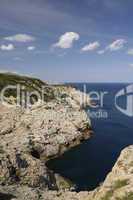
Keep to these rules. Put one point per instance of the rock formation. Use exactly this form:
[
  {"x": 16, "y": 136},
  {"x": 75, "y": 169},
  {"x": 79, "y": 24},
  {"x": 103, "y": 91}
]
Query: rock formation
[
  {"x": 117, "y": 186},
  {"x": 30, "y": 137},
  {"x": 119, "y": 183}
]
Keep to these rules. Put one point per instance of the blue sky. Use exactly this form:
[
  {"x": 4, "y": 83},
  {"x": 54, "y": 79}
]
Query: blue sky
[{"x": 68, "y": 40}]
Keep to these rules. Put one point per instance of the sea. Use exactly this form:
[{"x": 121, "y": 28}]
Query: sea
[{"x": 111, "y": 116}]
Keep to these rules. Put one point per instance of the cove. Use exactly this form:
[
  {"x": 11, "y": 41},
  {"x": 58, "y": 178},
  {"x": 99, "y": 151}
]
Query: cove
[{"x": 88, "y": 164}]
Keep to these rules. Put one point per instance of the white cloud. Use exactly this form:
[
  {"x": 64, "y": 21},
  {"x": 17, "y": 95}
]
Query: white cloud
[
  {"x": 101, "y": 52},
  {"x": 20, "y": 38},
  {"x": 17, "y": 59},
  {"x": 116, "y": 45},
  {"x": 31, "y": 48},
  {"x": 66, "y": 40},
  {"x": 8, "y": 47},
  {"x": 130, "y": 52},
  {"x": 91, "y": 47}
]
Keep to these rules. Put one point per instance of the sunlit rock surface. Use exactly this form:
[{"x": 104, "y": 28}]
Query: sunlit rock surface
[
  {"x": 119, "y": 183},
  {"x": 30, "y": 137},
  {"x": 117, "y": 186}
]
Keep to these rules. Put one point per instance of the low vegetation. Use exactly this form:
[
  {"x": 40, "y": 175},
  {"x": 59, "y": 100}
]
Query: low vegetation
[
  {"x": 118, "y": 184},
  {"x": 27, "y": 84}
]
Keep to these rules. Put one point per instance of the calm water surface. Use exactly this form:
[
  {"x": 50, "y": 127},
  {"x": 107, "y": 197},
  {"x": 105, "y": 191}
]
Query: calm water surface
[{"x": 88, "y": 164}]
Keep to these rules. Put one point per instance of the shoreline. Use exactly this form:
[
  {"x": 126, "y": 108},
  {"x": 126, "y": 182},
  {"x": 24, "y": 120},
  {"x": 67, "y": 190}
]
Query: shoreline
[{"x": 30, "y": 139}]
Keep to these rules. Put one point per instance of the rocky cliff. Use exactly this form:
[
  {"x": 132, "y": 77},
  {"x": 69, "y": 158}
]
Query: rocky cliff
[
  {"x": 119, "y": 183},
  {"x": 30, "y": 137},
  {"x": 117, "y": 186}
]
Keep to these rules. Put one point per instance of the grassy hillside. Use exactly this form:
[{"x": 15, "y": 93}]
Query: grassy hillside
[
  {"x": 30, "y": 85},
  {"x": 14, "y": 79}
]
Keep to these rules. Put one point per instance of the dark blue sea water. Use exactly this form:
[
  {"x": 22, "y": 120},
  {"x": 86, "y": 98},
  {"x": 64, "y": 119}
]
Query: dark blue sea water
[{"x": 88, "y": 164}]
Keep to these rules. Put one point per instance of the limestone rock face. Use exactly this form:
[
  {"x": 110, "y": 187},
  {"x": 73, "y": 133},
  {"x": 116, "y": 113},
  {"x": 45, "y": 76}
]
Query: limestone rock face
[
  {"x": 117, "y": 186},
  {"x": 28, "y": 193},
  {"x": 30, "y": 137},
  {"x": 119, "y": 183}
]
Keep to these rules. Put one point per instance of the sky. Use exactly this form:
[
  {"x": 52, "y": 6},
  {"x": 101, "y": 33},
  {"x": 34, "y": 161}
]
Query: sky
[{"x": 67, "y": 40}]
